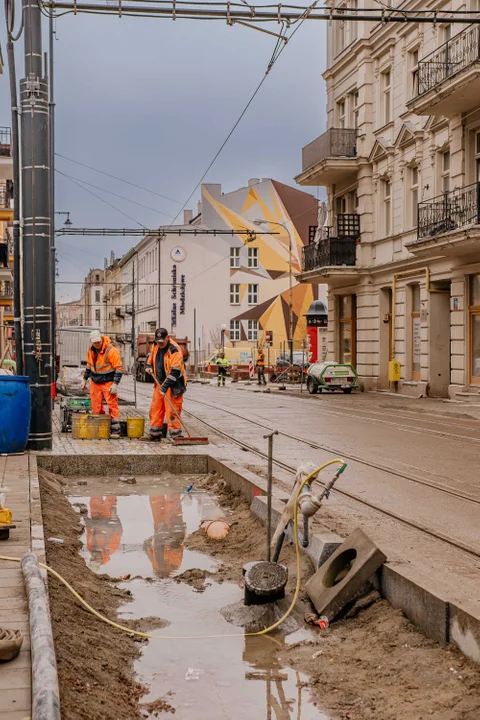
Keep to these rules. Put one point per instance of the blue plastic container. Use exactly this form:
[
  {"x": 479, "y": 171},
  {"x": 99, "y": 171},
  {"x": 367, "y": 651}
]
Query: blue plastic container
[{"x": 14, "y": 413}]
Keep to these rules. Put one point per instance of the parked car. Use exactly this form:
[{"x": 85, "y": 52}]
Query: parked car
[{"x": 331, "y": 376}]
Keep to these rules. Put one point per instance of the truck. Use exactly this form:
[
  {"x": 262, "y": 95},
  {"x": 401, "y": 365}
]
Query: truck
[{"x": 144, "y": 346}]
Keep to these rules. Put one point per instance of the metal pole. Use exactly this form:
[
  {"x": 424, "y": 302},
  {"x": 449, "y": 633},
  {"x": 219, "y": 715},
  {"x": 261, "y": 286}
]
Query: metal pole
[
  {"x": 17, "y": 268},
  {"x": 159, "y": 280},
  {"x": 269, "y": 437},
  {"x": 37, "y": 285},
  {"x": 195, "y": 342},
  {"x": 290, "y": 300}
]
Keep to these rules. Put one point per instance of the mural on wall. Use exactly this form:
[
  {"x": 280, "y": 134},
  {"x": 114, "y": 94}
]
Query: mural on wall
[{"x": 276, "y": 205}]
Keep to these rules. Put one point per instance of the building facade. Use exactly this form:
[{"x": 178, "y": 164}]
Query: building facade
[
  {"x": 228, "y": 288},
  {"x": 70, "y": 314},
  {"x": 400, "y": 159},
  {"x": 92, "y": 299}
]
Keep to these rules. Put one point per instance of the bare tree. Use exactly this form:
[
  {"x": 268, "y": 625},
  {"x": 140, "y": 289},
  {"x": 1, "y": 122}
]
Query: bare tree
[{"x": 216, "y": 337}]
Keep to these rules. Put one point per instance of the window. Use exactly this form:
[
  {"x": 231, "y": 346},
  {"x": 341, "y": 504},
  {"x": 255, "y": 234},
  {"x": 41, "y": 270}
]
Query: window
[
  {"x": 353, "y": 23},
  {"x": 339, "y": 27},
  {"x": 387, "y": 207},
  {"x": 235, "y": 294},
  {"x": 413, "y": 63},
  {"x": 252, "y": 294},
  {"x": 341, "y": 113},
  {"x": 346, "y": 318},
  {"x": 386, "y": 95},
  {"x": 413, "y": 171},
  {"x": 97, "y": 316},
  {"x": 235, "y": 257},
  {"x": 445, "y": 171},
  {"x": 97, "y": 277},
  {"x": 234, "y": 330},
  {"x": 252, "y": 257},
  {"x": 355, "y": 109},
  {"x": 446, "y": 33},
  {"x": 97, "y": 296},
  {"x": 252, "y": 330},
  {"x": 416, "y": 334}
]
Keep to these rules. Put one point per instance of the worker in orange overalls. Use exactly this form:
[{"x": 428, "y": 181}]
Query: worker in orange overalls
[
  {"x": 104, "y": 530},
  {"x": 166, "y": 364},
  {"x": 104, "y": 369},
  {"x": 165, "y": 548}
]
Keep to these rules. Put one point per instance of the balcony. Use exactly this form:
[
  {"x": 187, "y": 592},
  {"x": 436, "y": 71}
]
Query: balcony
[
  {"x": 329, "y": 252},
  {"x": 449, "y": 78},
  {"x": 5, "y": 142},
  {"x": 449, "y": 223},
  {"x": 6, "y": 197},
  {"x": 329, "y": 159},
  {"x": 6, "y": 293}
]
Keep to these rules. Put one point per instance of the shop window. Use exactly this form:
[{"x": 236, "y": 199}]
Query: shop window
[
  {"x": 346, "y": 328},
  {"x": 474, "y": 315},
  {"x": 416, "y": 333}
]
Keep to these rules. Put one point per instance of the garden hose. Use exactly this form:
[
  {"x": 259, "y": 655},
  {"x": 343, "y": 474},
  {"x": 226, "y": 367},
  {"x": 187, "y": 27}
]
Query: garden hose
[{"x": 308, "y": 481}]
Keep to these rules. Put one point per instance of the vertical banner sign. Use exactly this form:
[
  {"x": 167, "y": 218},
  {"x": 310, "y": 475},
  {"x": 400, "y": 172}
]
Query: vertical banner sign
[{"x": 182, "y": 295}]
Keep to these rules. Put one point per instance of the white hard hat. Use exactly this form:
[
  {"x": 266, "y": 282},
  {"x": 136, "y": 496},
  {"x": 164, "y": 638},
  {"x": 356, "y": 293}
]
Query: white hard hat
[{"x": 95, "y": 336}]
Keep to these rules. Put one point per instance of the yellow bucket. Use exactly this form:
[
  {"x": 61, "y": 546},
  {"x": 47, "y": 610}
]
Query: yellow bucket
[
  {"x": 91, "y": 427},
  {"x": 135, "y": 427}
]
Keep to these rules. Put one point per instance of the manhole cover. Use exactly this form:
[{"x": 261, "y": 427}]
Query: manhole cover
[{"x": 265, "y": 578}]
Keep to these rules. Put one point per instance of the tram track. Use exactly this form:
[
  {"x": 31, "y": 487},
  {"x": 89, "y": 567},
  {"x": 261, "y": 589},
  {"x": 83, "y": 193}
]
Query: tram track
[{"x": 290, "y": 469}]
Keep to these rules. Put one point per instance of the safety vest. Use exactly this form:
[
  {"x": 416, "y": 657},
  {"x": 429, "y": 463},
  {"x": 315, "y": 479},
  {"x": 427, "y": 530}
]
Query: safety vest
[
  {"x": 222, "y": 362},
  {"x": 106, "y": 364},
  {"x": 261, "y": 359},
  {"x": 172, "y": 360}
]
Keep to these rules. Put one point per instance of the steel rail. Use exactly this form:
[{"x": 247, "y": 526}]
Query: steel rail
[{"x": 395, "y": 516}]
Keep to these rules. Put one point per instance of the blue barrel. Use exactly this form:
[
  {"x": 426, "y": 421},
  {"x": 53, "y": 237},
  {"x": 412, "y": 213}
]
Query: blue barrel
[{"x": 14, "y": 413}]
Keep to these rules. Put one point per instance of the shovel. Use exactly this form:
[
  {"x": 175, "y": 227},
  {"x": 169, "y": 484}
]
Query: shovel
[{"x": 190, "y": 440}]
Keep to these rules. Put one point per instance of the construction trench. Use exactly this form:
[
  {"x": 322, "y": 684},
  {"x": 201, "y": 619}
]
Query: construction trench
[{"x": 134, "y": 550}]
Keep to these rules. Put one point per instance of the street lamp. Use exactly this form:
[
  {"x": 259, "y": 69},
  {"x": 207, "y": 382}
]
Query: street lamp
[
  {"x": 223, "y": 327},
  {"x": 290, "y": 301}
]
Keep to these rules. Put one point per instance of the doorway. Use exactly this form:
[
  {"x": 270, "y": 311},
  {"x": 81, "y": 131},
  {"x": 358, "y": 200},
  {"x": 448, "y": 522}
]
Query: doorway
[
  {"x": 386, "y": 330},
  {"x": 439, "y": 340},
  {"x": 347, "y": 329}
]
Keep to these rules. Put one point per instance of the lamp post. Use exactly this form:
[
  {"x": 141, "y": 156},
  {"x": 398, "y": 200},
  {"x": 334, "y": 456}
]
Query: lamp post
[
  {"x": 223, "y": 327},
  {"x": 290, "y": 300}
]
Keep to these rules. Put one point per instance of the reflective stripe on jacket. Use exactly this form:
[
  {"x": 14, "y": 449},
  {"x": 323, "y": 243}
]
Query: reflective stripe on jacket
[
  {"x": 261, "y": 359},
  {"x": 176, "y": 377},
  {"x": 105, "y": 365},
  {"x": 222, "y": 362}
]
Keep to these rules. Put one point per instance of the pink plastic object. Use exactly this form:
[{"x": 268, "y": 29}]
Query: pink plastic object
[{"x": 216, "y": 529}]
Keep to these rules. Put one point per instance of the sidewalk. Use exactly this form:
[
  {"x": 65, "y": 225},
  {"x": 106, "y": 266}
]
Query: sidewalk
[{"x": 15, "y": 676}]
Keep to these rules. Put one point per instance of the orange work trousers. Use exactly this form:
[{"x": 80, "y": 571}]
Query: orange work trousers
[
  {"x": 160, "y": 409},
  {"x": 100, "y": 392}
]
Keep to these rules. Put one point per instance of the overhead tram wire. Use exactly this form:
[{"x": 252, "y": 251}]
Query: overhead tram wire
[
  {"x": 110, "y": 192},
  {"x": 115, "y": 177},
  {"x": 231, "y": 12}
]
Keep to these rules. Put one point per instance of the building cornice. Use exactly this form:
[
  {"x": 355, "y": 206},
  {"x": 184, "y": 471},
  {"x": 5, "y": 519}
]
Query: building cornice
[{"x": 346, "y": 58}]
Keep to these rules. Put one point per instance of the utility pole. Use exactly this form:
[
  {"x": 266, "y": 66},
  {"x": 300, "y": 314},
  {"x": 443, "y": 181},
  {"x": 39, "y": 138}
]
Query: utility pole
[
  {"x": 37, "y": 265},
  {"x": 51, "y": 147}
]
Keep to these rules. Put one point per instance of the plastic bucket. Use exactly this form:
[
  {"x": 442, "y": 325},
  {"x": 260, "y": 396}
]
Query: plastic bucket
[
  {"x": 91, "y": 427},
  {"x": 135, "y": 427},
  {"x": 15, "y": 408}
]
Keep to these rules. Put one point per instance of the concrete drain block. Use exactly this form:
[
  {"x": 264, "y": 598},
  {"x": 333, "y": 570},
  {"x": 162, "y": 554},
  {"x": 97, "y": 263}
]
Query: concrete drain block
[{"x": 339, "y": 579}]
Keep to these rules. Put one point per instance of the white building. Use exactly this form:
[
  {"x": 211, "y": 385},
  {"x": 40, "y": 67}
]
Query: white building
[
  {"x": 401, "y": 162},
  {"x": 239, "y": 283}
]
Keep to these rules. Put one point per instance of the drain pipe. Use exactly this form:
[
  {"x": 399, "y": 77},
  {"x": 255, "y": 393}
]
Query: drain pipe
[{"x": 45, "y": 693}]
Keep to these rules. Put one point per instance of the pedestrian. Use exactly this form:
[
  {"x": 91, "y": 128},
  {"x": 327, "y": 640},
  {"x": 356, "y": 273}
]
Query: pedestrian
[
  {"x": 222, "y": 364},
  {"x": 104, "y": 370},
  {"x": 261, "y": 367},
  {"x": 170, "y": 378}
]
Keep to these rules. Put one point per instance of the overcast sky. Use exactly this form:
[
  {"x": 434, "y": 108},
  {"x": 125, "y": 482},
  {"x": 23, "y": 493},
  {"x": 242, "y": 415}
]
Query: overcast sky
[{"x": 152, "y": 100}]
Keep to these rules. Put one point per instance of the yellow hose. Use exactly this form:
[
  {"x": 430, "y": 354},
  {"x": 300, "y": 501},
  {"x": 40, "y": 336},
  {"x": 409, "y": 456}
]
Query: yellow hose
[{"x": 137, "y": 633}]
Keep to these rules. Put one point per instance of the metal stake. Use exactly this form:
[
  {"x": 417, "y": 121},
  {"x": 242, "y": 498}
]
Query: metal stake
[{"x": 269, "y": 437}]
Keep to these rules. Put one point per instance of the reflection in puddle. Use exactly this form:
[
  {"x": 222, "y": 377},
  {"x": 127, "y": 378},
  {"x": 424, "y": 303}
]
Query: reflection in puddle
[{"x": 233, "y": 677}]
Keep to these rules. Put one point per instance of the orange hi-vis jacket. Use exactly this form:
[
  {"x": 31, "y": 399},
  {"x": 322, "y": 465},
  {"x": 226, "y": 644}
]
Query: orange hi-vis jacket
[
  {"x": 260, "y": 359},
  {"x": 105, "y": 365},
  {"x": 175, "y": 375}
]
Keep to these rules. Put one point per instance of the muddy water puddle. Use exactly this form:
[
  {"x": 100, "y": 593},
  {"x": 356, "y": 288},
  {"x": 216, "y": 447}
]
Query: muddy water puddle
[{"x": 139, "y": 531}]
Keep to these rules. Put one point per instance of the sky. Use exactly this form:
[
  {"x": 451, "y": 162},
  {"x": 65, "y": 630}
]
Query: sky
[{"x": 151, "y": 101}]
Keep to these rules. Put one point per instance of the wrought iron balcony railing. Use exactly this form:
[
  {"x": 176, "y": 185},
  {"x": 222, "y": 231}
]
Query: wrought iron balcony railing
[
  {"x": 346, "y": 225},
  {"x": 5, "y": 141},
  {"x": 330, "y": 252},
  {"x": 6, "y": 193},
  {"x": 335, "y": 142},
  {"x": 456, "y": 54},
  {"x": 449, "y": 211}
]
